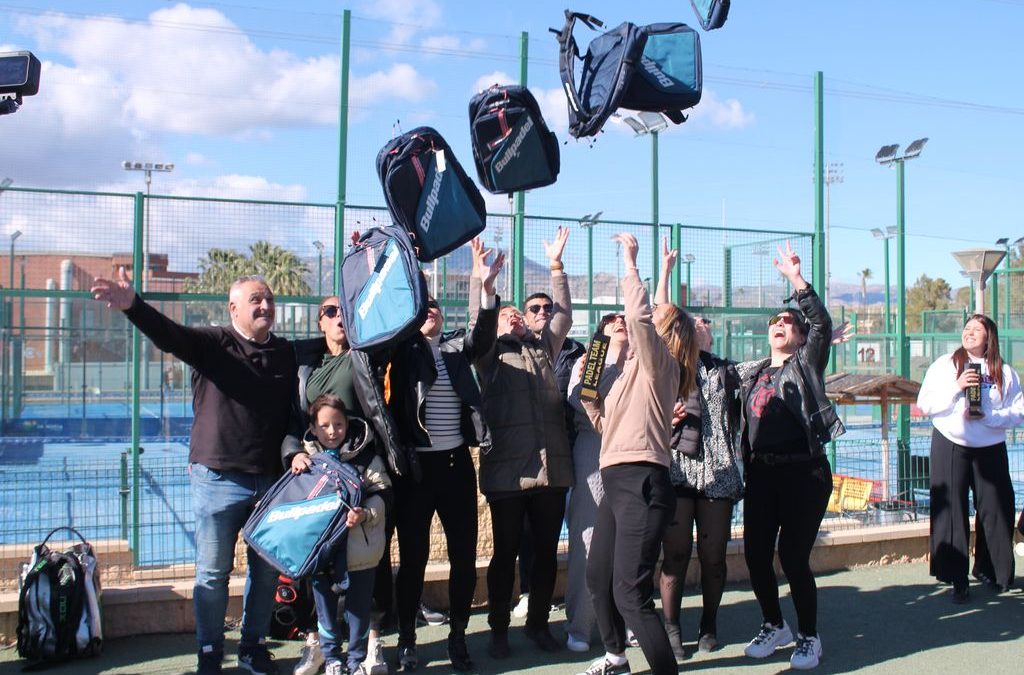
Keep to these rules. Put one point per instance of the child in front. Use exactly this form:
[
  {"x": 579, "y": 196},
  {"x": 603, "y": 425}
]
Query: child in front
[{"x": 347, "y": 439}]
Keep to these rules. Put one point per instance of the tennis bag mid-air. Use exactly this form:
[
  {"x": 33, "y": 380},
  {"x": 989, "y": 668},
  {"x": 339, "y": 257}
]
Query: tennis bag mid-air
[
  {"x": 711, "y": 13},
  {"x": 512, "y": 145},
  {"x": 384, "y": 295},
  {"x": 301, "y": 520},
  {"x": 429, "y": 194},
  {"x": 653, "y": 68}
]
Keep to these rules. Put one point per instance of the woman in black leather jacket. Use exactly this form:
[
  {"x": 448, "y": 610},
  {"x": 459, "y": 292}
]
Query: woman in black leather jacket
[{"x": 786, "y": 422}]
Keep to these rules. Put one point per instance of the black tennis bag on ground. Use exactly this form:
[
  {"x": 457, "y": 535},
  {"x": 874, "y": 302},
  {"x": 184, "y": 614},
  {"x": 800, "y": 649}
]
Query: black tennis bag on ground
[
  {"x": 59, "y": 610},
  {"x": 429, "y": 194},
  {"x": 512, "y": 145},
  {"x": 383, "y": 294},
  {"x": 294, "y": 612},
  {"x": 301, "y": 520},
  {"x": 654, "y": 68},
  {"x": 711, "y": 13}
]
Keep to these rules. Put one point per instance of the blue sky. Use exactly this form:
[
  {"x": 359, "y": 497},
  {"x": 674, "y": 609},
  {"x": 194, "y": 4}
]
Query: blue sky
[{"x": 242, "y": 96}]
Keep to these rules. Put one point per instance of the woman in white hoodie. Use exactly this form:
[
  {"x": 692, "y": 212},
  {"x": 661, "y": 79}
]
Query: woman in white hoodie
[{"x": 970, "y": 452}]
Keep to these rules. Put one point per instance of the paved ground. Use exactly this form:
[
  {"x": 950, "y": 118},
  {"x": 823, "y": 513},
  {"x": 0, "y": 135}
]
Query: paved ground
[{"x": 873, "y": 620}]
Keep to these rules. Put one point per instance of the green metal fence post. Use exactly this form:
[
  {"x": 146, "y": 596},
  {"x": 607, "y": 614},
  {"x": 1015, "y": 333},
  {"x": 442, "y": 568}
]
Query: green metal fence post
[
  {"x": 124, "y": 491},
  {"x": 137, "y": 356},
  {"x": 674, "y": 281},
  {"x": 818, "y": 267},
  {"x": 339, "y": 212},
  {"x": 727, "y": 277},
  {"x": 655, "y": 232},
  {"x": 590, "y": 276},
  {"x": 519, "y": 201}
]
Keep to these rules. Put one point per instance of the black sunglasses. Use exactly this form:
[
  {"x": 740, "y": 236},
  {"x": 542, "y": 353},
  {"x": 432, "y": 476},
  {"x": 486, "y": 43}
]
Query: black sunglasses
[
  {"x": 432, "y": 304},
  {"x": 535, "y": 309},
  {"x": 702, "y": 320},
  {"x": 784, "y": 318},
  {"x": 330, "y": 311}
]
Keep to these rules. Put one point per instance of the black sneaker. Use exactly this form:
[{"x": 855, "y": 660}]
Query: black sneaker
[
  {"x": 605, "y": 667},
  {"x": 408, "y": 659},
  {"x": 426, "y": 616},
  {"x": 209, "y": 661},
  {"x": 543, "y": 638},
  {"x": 499, "y": 649},
  {"x": 257, "y": 659},
  {"x": 960, "y": 594},
  {"x": 707, "y": 642},
  {"x": 458, "y": 652}
]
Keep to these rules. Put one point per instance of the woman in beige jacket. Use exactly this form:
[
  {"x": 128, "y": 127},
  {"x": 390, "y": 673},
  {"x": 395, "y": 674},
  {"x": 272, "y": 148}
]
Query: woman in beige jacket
[{"x": 635, "y": 423}]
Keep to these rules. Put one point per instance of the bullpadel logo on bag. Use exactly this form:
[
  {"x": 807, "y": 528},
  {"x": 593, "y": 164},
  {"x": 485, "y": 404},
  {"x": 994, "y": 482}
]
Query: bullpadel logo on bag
[
  {"x": 432, "y": 199},
  {"x": 378, "y": 283},
  {"x": 652, "y": 69},
  {"x": 512, "y": 152},
  {"x": 302, "y": 511}
]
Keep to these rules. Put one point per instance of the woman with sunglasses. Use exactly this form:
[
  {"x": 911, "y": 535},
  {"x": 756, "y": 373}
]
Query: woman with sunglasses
[
  {"x": 787, "y": 421},
  {"x": 328, "y": 366},
  {"x": 634, "y": 421},
  {"x": 969, "y": 452},
  {"x": 706, "y": 478},
  {"x": 587, "y": 490}
]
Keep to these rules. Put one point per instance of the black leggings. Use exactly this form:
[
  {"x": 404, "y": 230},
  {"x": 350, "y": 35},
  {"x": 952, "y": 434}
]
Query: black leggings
[
  {"x": 955, "y": 469},
  {"x": 786, "y": 501},
  {"x": 631, "y": 520},
  {"x": 448, "y": 488},
  {"x": 544, "y": 509},
  {"x": 714, "y": 523}
]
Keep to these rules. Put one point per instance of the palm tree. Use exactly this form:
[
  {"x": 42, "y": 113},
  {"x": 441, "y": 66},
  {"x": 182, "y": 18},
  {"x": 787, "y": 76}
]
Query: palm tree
[
  {"x": 865, "y": 274},
  {"x": 281, "y": 268}
]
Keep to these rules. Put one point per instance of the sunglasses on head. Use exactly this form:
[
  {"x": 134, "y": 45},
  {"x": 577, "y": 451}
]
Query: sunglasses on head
[
  {"x": 330, "y": 311},
  {"x": 432, "y": 304},
  {"x": 783, "y": 318},
  {"x": 704, "y": 321},
  {"x": 535, "y": 309}
]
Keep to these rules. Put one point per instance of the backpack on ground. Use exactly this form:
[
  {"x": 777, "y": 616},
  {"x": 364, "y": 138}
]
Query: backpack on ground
[
  {"x": 59, "y": 610},
  {"x": 429, "y": 194},
  {"x": 301, "y": 520},
  {"x": 512, "y": 145},
  {"x": 384, "y": 296},
  {"x": 711, "y": 13},
  {"x": 653, "y": 68},
  {"x": 294, "y": 612}
]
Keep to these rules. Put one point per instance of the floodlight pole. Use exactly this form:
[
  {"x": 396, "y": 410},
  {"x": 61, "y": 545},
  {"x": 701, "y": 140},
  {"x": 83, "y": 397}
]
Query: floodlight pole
[
  {"x": 818, "y": 267},
  {"x": 655, "y": 256},
  {"x": 339, "y": 208},
  {"x": 519, "y": 200}
]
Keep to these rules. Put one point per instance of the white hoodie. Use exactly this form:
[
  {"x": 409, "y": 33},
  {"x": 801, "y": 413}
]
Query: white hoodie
[{"x": 944, "y": 401}]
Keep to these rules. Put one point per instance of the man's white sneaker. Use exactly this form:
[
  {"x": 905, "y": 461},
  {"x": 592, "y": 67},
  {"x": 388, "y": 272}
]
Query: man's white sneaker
[
  {"x": 523, "y": 607},
  {"x": 374, "y": 663},
  {"x": 807, "y": 653},
  {"x": 768, "y": 639},
  {"x": 312, "y": 658},
  {"x": 575, "y": 644}
]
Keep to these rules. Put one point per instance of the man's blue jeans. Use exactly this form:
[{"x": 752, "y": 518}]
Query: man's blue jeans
[{"x": 222, "y": 501}]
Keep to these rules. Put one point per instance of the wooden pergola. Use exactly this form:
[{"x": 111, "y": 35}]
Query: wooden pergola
[{"x": 883, "y": 390}]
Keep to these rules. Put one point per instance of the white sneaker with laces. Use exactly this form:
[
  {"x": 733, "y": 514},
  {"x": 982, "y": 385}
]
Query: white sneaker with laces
[
  {"x": 374, "y": 663},
  {"x": 807, "y": 653},
  {"x": 335, "y": 668},
  {"x": 575, "y": 644},
  {"x": 523, "y": 607},
  {"x": 312, "y": 658},
  {"x": 768, "y": 639},
  {"x": 604, "y": 666}
]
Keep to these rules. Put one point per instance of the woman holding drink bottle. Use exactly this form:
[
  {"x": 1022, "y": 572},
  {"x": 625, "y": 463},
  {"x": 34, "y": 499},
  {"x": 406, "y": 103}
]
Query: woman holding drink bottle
[{"x": 969, "y": 451}]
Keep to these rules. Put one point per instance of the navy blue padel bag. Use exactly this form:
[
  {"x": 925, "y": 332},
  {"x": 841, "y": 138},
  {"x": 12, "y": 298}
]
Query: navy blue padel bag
[
  {"x": 301, "y": 520},
  {"x": 429, "y": 194},
  {"x": 512, "y": 146},
  {"x": 711, "y": 13},
  {"x": 383, "y": 294},
  {"x": 653, "y": 68}
]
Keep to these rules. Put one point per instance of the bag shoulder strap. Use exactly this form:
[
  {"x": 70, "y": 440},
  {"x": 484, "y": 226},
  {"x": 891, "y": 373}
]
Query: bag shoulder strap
[{"x": 567, "y": 54}]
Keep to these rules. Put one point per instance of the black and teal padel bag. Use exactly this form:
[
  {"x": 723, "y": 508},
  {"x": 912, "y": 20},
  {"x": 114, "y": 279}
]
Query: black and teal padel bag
[
  {"x": 429, "y": 194},
  {"x": 383, "y": 294},
  {"x": 512, "y": 146},
  {"x": 711, "y": 13},
  {"x": 302, "y": 519}
]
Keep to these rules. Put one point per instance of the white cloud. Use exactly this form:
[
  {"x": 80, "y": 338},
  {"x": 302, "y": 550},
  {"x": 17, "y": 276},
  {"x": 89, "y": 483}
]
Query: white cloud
[
  {"x": 448, "y": 43},
  {"x": 196, "y": 159},
  {"x": 497, "y": 77},
  {"x": 728, "y": 114},
  {"x": 407, "y": 17}
]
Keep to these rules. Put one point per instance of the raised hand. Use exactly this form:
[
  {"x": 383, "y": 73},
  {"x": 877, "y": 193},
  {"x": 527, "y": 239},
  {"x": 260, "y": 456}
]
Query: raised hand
[
  {"x": 668, "y": 257},
  {"x": 554, "y": 249},
  {"x": 354, "y": 239},
  {"x": 483, "y": 270},
  {"x": 843, "y": 332},
  {"x": 118, "y": 293},
  {"x": 629, "y": 248},
  {"x": 788, "y": 264}
]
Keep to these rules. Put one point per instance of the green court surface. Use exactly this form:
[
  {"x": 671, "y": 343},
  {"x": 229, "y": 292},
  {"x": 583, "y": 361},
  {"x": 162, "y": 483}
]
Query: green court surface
[{"x": 891, "y": 619}]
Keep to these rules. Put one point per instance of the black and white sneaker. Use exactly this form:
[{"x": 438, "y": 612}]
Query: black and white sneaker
[
  {"x": 604, "y": 666},
  {"x": 426, "y": 616},
  {"x": 768, "y": 639}
]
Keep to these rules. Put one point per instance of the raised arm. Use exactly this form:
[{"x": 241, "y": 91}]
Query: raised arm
[
  {"x": 643, "y": 338},
  {"x": 484, "y": 321},
  {"x": 819, "y": 334},
  {"x": 668, "y": 263},
  {"x": 561, "y": 313}
]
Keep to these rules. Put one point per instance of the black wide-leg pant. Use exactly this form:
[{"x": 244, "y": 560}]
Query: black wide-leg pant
[{"x": 955, "y": 470}]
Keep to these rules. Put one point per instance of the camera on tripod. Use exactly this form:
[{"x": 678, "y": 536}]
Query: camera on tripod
[{"x": 19, "y": 77}]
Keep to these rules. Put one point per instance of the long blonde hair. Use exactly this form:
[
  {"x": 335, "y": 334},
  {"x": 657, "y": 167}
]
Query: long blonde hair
[{"x": 676, "y": 329}]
